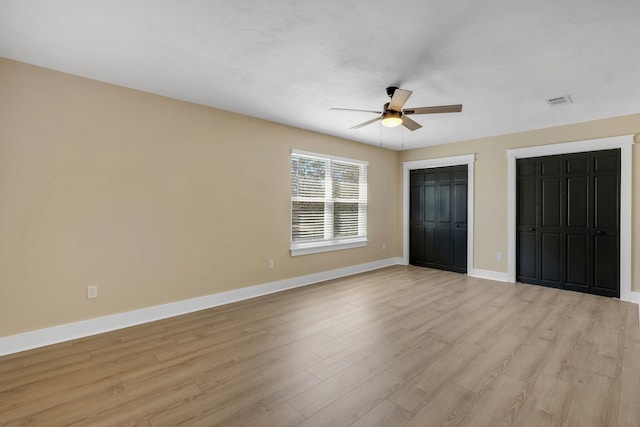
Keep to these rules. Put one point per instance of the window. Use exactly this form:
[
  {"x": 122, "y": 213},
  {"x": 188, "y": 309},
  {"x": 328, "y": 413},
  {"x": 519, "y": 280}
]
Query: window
[{"x": 328, "y": 203}]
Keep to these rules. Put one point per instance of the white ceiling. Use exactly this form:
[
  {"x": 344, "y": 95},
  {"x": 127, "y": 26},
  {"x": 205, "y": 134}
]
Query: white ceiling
[{"x": 289, "y": 61}]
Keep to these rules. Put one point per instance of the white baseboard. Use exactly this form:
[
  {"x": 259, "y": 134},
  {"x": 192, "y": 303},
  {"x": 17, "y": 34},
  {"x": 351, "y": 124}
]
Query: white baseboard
[
  {"x": 498, "y": 276},
  {"x": 632, "y": 296},
  {"x": 57, "y": 334}
]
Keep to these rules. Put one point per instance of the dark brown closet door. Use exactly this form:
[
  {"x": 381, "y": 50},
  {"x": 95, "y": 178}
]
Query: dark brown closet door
[
  {"x": 438, "y": 218},
  {"x": 568, "y": 211},
  {"x": 527, "y": 220},
  {"x": 605, "y": 229},
  {"x": 578, "y": 240},
  {"x": 550, "y": 222}
]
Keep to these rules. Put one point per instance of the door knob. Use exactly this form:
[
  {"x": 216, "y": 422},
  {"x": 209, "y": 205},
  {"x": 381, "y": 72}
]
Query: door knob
[
  {"x": 457, "y": 225},
  {"x": 532, "y": 229},
  {"x": 600, "y": 232}
]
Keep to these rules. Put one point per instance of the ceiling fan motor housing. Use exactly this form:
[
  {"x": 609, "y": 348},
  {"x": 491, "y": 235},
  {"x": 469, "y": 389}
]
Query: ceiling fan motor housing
[{"x": 392, "y": 113}]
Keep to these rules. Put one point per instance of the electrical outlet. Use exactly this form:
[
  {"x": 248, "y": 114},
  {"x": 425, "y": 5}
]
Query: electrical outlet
[
  {"x": 92, "y": 292},
  {"x": 271, "y": 263},
  {"x": 499, "y": 256}
]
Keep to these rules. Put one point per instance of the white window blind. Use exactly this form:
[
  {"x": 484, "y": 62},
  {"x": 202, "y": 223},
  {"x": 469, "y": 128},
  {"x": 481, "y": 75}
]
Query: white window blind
[{"x": 328, "y": 203}]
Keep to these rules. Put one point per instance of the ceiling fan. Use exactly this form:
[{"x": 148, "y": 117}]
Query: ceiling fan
[{"x": 393, "y": 114}]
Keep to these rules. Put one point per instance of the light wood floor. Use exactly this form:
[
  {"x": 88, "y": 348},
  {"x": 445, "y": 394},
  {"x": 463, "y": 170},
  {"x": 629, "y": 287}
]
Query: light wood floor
[{"x": 403, "y": 346}]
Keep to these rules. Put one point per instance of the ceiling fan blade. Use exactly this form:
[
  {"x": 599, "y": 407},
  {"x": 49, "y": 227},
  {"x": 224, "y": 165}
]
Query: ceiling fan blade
[
  {"x": 360, "y": 111},
  {"x": 433, "y": 110},
  {"x": 410, "y": 124},
  {"x": 368, "y": 122},
  {"x": 398, "y": 99}
]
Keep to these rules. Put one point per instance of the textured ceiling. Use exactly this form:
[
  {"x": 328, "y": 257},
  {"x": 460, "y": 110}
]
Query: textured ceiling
[{"x": 289, "y": 61}]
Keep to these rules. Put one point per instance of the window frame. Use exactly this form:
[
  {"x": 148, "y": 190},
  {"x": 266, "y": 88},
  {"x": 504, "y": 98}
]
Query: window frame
[{"x": 329, "y": 244}]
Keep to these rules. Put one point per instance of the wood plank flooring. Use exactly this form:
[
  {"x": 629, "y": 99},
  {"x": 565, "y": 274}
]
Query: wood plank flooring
[{"x": 402, "y": 346}]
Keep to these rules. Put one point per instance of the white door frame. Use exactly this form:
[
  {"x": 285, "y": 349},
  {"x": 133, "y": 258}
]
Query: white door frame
[
  {"x": 624, "y": 143},
  {"x": 407, "y": 167}
]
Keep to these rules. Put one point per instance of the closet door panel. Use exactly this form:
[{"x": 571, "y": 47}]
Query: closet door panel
[
  {"x": 527, "y": 257},
  {"x": 551, "y": 256},
  {"x": 606, "y": 197},
  {"x": 578, "y": 261},
  {"x": 606, "y": 263},
  {"x": 578, "y": 202}
]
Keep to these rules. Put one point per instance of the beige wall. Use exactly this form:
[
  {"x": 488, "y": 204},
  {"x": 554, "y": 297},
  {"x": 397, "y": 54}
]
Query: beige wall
[
  {"x": 491, "y": 180},
  {"x": 156, "y": 200},
  {"x": 153, "y": 200}
]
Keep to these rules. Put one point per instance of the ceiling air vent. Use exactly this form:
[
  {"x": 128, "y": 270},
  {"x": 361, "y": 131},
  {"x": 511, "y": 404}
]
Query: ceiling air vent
[{"x": 560, "y": 100}]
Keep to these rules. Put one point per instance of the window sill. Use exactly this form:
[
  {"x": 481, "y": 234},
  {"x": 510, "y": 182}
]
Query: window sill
[{"x": 326, "y": 246}]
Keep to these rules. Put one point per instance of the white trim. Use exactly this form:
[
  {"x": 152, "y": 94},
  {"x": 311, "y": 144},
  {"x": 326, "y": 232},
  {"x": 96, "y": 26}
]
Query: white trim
[
  {"x": 440, "y": 162},
  {"x": 326, "y": 246},
  {"x": 498, "y": 276},
  {"x": 467, "y": 159},
  {"x": 624, "y": 143},
  {"x": 57, "y": 334},
  {"x": 330, "y": 157},
  {"x": 585, "y": 146}
]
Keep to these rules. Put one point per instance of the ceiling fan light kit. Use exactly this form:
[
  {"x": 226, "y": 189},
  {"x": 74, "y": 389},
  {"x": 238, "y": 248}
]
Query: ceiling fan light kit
[
  {"x": 393, "y": 114},
  {"x": 391, "y": 118}
]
